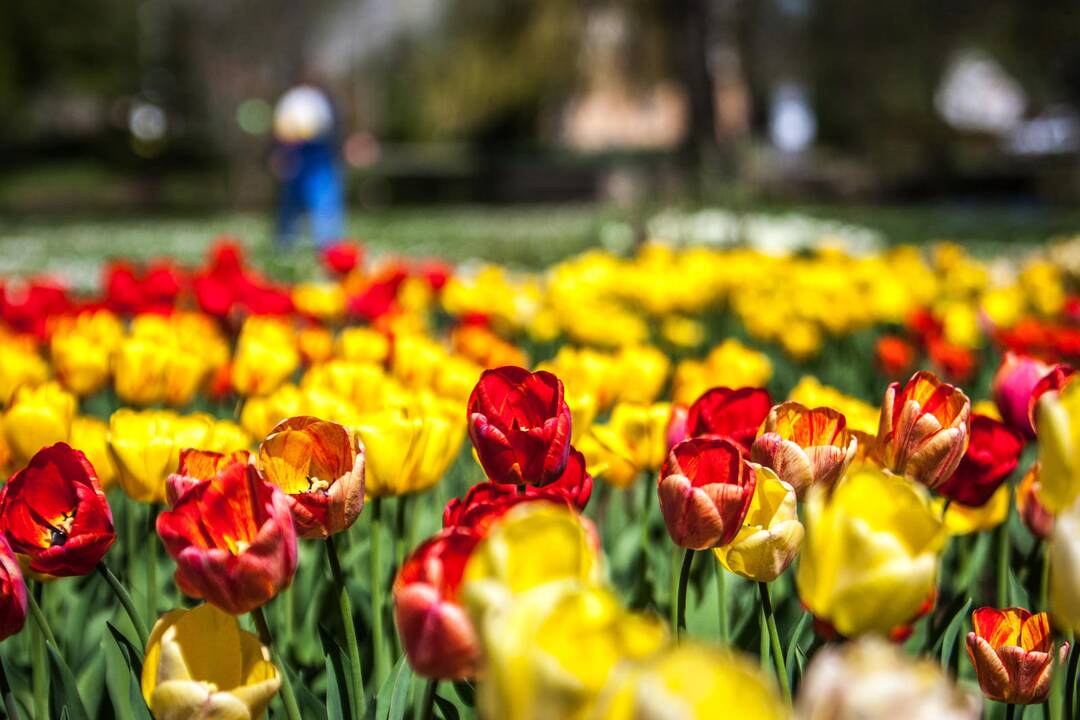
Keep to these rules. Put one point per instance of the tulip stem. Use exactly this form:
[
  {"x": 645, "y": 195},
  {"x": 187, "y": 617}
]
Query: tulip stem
[
  {"x": 774, "y": 638},
  {"x": 1070, "y": 680},
  {"x": 39, "y": 618},
  {"x": 684, "y": 579},
  {"x": 721, "y": 603},
  {"x": 376, "y": 591},
  {"x": 125, "y": 599},
  {"x": 9, "y": 699},
  {"x": 1010, "y": 711},
  {"x": 38, "y": 676},
  {"x": 1044, "y": 579},
  {"x": 288, "y": 697},
  {"x": 428, "y": 706},
  {"x": 356, "y": 687},
  {"x": 1003, "y": 565},
  {"x": 151, "y": 562}
]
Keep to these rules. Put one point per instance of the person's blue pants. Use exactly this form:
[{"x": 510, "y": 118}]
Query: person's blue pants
[{"x": 315, "y": 190}]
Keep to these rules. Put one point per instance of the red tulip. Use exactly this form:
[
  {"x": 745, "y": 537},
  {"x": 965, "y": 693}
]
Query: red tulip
[
  {"x": 1036, "y": 517},
  {"x": 1053, "y": 381},
  {"x": 12, "y": 592},
  {"x": 895, "y": 355},
  {"x": 519, "y": 424},
  {"x": 705, "y": 491},
  {"x": 198, "y": 465},
  {"x": 993, "y": 452},
  {"x": 923, "y": 430},
  {"x": 676, "y": 429},
  {"x": 1012, "y": 386},
  {"x": 436, "y": 632},
  {"x": 55, "y": 513},
  {"x": 805, "y": 446},
  {"x": 734, "y": 414},
  {"x": 233, "y": 539},
  {"x": 342, "y": 257},
  {"x": 1013, "y": 654}
]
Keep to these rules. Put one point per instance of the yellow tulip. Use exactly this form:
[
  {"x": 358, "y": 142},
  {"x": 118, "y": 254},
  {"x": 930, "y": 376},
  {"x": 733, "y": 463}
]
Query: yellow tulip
[
  {"x": 325, "y": 301},
  {"x": 228, "y": 437},
  {"x": 640, "y": 373},
  {"x": 19, "y": 366},
  {"x": 81, "y": 361},
  {"x": 870, "y": 557},
  {"x": 633, "y": 440},
  {"x": 551, "y": 652},
  {"x": 138, "y": 368},
  {"x": 860, "y": 416},
  {"x": 145, "y": 446},
  {"x": 260, "y": 414},
  {"x": 963, "y": 520},
  {"x": 365, "y": 385},
  {"x": 1057, "y": 422},
  {"x": 1065, "y": 570},
  {"x": 363, "y": 344},
  {"x": 690, "y": 682},
  {"x": 266, "y": 356},
  {"x": 38, "y": 416},
  {"x": 316, "y": 344},
  {"x": 771, "y": 533},
  {"x": 415, "y": 360},
  {"x": 91, "y": 435},
  {"x": 200, "y": 665}
]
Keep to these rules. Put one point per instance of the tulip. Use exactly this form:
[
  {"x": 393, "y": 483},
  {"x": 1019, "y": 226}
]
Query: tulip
[
  {"x": 198, "y": 465},
  {"x": 771, "y": 533},
  {"x": 520, "y": 424},
  {"x": 91, "y": 435},
  {"x": 1013, "y": 654},
  {"x": 1065, "y": 570},
  {"x": 1053, "y": 383},
  {"x": 81, "y": 360},
  {"x": 342, "y": 257},
  {"x": 894, "y": 355},
  {"x": 436, "y": 633},
  {"x": 735, "y": 414},
  {"x": 233, "y": 539},
  {"x": 805, "y": 446},
  {"x": 923, "y": 430},
  {"x": 870, "y": 678},
  {"x": 1058, "y": 424},
  {"x": 1029, "y": 506},
  {"x": 551, "y": 652},
  {"x": 992, "y": 454},
  {"x": 695, "y": 679},
  {"x": 13, "y": 601},
  {"x": 55, "y": 513},
  {"x": 19, "y": 366},
  {"x": 963, "y": 519},
  {"x": 38, "y": 416},
  {"x": 266, "y": 356},
  {"x": 705, "y": 490},
  {"x": 871, "y": 552},
  {"x": 1012, "y": 386},
  {"x": 859, "y": 416},
  {"x": 138, "y": 369},
  {"x": 145, "y": 446},
  {"x": 200, "y": 664},
  {"x": 633, "y": 441},
  {"x": 319, "y": 466}
]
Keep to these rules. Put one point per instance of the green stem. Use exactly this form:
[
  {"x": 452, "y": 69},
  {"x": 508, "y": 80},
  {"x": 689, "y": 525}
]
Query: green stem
[
  {"x": 1044, "y": 580},
  {"x": 1010, "y": 711},
  {"x": 673, "y": 612},
  {"x": 428, "y": 706},
  {"x": 721, "y": 602},
  {"x": 356, "y": 686},
  {"x": 131, "y": 533},
  {"x": 288, "y": 697},
  {"x": 151, "y": 562},
  {"x": 646, "y": 503},
  {"x": 39, "y": 617},
  {"x": 1070, "y": 681},
  {"x": 377, "y": 591},
  {"x": 39, "y": 676},
  {"x": 1003, "y": 565},
  {"x": 684, "y": 579},
  {"x": 9, "y": 699},
  {"x": 774, "y": 637},
  {"x": 125, "y": 599}
]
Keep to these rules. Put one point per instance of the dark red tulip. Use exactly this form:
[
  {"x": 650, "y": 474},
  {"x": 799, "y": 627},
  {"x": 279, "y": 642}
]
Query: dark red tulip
[
  {"x": 55, "y": 513},
  {"x": 12, "y": 592},
  {"x": 519, "y": 424},
  {"x": 735, "y": 414},
  {"x": 992, "y": 453},
  {"x": 342, "y": 257}
]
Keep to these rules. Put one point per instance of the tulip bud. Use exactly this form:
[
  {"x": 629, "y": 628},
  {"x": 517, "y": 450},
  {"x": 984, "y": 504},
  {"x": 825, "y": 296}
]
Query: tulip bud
[
  {"x": 870, "y": 678},
  {"x": 38, "y": 416},
  {"x": 520, "y": 425},
  {"x": 319, "y": 465},
  {"x": 734, "y": 414},
  {"x": 12, "y": 592},
  {"x": 804, "y": 446},
  {"x": 1036, "y": 517},
  {"x": 233, "y": 539},
  {"x": 705, "y": 490},
  {"x": 436, "y": 632},
  {"x": 1011, "y": 390},
  {"x": 54, "y": 512},
  {"x": 992, "y": 454},
  {"x": 923, "y": 430},
  {"x": 1013, "y": 654},
  {"x": 200, "y": 664},
  {"x": 864, "y": 570},
  {"x": 771, "y": 533}
]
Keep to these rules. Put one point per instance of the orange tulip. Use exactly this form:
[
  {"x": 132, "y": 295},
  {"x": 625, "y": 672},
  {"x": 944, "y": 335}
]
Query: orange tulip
[
  {"x": 804, "y": 446},
  {"x": 923, "y": 429},
  {"x": 1013, "y": 654}
]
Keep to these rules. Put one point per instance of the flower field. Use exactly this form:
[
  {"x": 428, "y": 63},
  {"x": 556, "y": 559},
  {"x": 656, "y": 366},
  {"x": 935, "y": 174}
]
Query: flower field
[{"x": 676, "y": 481}]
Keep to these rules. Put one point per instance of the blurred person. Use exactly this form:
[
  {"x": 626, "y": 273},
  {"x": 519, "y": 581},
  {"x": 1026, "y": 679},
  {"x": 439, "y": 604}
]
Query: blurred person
[{"x": 306, "y": 161}]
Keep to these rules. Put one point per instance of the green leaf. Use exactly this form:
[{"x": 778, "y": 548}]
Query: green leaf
[
  {"x": 948, "y": 640},
  {"x": 132, "y": 654},
  {"x": 393, "y": 700},
  {"x": 957, "y": 606},
  {"x": 466, "y": 691},
  {"x": 793, "y": 643},
  {"x": 447, "y": 709},
  {"x": 63, "y": 690},
  {"x": 337, "y": 676},
  {"x": 133, "y": 705},
  {"x": 310, "y": 706}
]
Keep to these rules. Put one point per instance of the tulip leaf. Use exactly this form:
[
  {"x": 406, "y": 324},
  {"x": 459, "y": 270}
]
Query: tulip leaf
[
  {"x": 393, "y": 700},
  {"x": 63, "y": 689},
  {"x": 1018, "y": 594},
  {"x": 310, "y": 706},
  {"x": 337, "y": 676},
  {"x": 957, "y": 606},
  {"x": 133, "y": 705},
  {"x": 948, "y": 640},
  {"x": 466, "y": 691},
  {"x": 447, "y": 709},
  {"x": 793, "y": 643}
]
